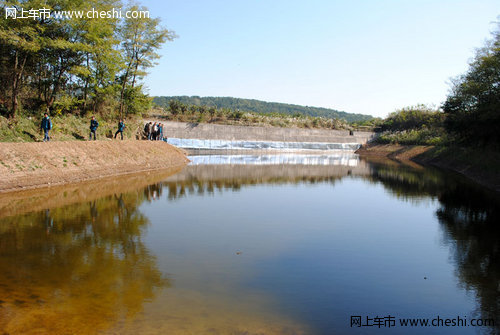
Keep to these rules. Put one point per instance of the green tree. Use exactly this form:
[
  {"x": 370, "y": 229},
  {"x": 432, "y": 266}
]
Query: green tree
[
  {"x": 101, "y": 60},
  {"x": 19, "y": 42},
  {"x": 141, "y": 39},
  {"x": 65, "y": 64},
  {"x": 473, "y": 107}
]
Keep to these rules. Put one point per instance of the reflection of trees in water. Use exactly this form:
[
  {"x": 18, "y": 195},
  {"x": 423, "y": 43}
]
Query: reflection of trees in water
[
  {"x": 406, "y": 182},
  {"x": 153, "y": 192},
  {"x": 468, "y": 214},
  {"x": 470, "y": 217},
  {"x": 85, "y": 267},
  {"x": 471, "y": 222},
  {"x": 180, "y": 189},
  {"x": 77, "y": 269}
]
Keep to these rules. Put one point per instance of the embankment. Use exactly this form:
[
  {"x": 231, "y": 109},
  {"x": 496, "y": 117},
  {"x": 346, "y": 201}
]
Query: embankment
[
  {"x": 480, "y": 165},
  {"x": 253, "y": 133},
  {"x": 33, "y": 165}
]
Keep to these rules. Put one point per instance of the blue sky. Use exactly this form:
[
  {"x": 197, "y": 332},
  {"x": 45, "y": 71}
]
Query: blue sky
[{"x": 368, "y": 57}]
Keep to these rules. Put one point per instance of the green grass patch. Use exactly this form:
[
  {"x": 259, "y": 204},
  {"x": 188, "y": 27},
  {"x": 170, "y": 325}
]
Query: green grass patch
[
  {"x": 65, "y": 128},
  {"x": 413, "y": 137}
]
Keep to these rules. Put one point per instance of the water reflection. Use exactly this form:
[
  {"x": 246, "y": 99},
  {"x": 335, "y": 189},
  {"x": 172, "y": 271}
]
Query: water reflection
[
  {"x": 86, "y": 265},
  {"x": 16, "y": 203},
  {"x": 216, "y": 173},
  {"x": 470, "y": 223},
  {"x": 76, "y": 269},
  {"x": 469, "y": 216}
]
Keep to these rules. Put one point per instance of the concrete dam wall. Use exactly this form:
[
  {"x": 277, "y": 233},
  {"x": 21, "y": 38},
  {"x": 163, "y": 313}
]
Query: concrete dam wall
[{"x": 206, "y": 131}]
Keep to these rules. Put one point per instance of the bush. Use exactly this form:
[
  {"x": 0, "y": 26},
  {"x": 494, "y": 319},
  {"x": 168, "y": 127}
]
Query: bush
[
  {"x": 413, "y": 137},
  {"x": 413, "y": 117}
]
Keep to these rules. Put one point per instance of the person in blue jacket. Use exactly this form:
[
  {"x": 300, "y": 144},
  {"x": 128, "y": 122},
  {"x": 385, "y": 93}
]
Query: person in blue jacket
[
  {"x": 93, "y": 127},
  {"x": 121, "y": 126},
  {"x": 160, "y": 131},
  {"x": 46, "y": 126}
]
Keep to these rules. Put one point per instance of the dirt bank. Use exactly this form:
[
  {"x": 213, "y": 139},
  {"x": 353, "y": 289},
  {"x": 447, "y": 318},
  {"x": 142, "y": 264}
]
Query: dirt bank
[
  {"x": 398, "y": 152},
  {"x": 32, "y": 165},
  {"x": 478, "y": 165}
]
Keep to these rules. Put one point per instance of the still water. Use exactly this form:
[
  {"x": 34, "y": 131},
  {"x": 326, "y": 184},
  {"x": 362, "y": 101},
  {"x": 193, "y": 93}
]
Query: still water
[{"x": 252, "y": 244}]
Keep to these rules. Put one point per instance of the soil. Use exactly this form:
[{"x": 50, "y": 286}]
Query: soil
[
  {"x": 394, "y": 151},
  {"x": 472, "y": 168},
  {"x": 33, "y": 165}
]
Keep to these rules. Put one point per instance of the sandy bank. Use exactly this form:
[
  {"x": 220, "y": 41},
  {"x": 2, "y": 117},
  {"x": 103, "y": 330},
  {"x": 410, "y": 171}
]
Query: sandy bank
[
  {"x": 33, "y": 165},
  {"x": 394, "y": 151},
  {"x": 480, "y": 166}
]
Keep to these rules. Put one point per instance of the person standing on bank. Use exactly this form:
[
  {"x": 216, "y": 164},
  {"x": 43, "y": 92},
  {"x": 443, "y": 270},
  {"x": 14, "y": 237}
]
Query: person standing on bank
[
  {"x": 146, "y": 131},
  {"x": 46, "y": 126},
  {"x": 121, "y": 126},
  {"x": 154, "y": 134},
  {"x": 160, "y": 131},
  {"x": 93, "y": 127}
]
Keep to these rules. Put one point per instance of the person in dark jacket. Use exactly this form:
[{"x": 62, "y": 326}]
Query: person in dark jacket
[
  {"x": 46, "y": 126},
  {"x": 146, "y": 130},
  {"x": 154, "y": 133},
  {"x": 121, "y": 126},
  {"x": 93, "y": 127}
]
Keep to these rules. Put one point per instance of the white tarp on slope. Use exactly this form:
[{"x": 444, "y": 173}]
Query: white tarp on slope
[
  {"x": 188, "y": 143},
  {"x": 340, "y": 158}
]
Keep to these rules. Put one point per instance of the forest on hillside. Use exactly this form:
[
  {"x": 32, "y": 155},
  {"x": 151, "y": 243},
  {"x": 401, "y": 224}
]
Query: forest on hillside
[{"x": 261, "y": 107}]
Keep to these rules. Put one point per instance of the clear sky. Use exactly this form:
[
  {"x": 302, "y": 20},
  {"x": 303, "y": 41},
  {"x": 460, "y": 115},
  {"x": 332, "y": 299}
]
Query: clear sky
[{"x": 368, "y": 57}]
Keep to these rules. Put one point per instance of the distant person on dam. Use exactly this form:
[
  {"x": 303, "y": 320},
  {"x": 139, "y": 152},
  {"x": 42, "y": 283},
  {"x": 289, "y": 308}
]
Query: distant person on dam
[
  {"x": 121, "y": 127},
  {"x": 46, "y": 126},
  {"x": 93, "y": 128}
]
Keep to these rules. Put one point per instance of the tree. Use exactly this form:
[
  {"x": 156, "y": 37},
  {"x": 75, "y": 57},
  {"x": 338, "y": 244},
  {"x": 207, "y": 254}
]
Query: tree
[
  {"x": 473, "y": 106},
  {"x": 141, "y": 40},
  {"x": 60, "y": 63},
  {"x": 19, "y": 41},
  {"x": 101, "y": 60}
]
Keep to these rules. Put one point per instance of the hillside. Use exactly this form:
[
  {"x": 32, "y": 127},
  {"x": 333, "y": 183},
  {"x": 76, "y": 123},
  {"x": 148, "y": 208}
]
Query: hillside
[{"x": 261, "y": 107}]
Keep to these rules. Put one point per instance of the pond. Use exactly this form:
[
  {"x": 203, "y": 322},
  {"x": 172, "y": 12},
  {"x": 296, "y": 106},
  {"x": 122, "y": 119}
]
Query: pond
[{"x": 254, "y": 244}]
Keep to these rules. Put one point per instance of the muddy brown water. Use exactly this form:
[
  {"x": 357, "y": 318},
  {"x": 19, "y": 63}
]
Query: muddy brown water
[{"x": 300, "y": 246}]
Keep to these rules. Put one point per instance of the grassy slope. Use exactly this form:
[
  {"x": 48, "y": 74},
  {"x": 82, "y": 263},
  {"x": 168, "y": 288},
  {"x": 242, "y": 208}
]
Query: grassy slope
[{"x": 65, "y": 128}]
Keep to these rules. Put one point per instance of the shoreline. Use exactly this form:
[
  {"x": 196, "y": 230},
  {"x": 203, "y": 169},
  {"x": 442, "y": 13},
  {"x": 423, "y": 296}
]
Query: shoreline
[
  {"x": 474, "y": 165},
  {"x": 27, "y": 166}
]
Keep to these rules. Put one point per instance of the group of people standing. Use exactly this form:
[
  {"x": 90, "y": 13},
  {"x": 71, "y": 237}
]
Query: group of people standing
[
  {"x": 153, "y": 131},
  {"x": 46, "y": 126}
]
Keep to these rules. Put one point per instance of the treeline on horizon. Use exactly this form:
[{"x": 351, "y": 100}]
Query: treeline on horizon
[
  {"x": 469, "y": 116},
  {"x": 76, "y": 65},
  {"x": 261, "y": 107},
  {"x": 178, "y": 111}
]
